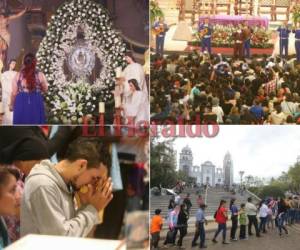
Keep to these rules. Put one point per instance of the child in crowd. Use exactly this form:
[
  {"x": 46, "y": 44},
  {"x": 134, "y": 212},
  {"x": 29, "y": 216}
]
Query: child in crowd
[
  {"x": 243, "y": 222},
  {"x": 156, "y": 226}
]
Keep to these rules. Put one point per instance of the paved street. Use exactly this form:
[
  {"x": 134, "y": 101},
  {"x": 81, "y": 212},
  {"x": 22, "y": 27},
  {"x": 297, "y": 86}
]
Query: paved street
[{"x": 269, "y": 241}]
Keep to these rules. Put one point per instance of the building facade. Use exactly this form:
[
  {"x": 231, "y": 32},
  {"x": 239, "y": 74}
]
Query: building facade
[
  {"x": 228, "y": 170},
  {"x": 207, "y": 173},
  {"x": 186, "y": 160}
]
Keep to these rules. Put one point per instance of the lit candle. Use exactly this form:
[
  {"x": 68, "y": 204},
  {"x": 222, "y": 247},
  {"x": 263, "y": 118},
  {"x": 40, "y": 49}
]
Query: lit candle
[
  {"x": 101, "y": 107},
  {"x": 1, "y": 108},
  {"x": 118, "y": 72},
  {"x": 117, "y": 101}
]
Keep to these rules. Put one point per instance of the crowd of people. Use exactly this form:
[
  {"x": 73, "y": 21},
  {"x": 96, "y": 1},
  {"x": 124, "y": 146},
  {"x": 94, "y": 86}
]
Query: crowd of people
[
  {"x": 55, "y": 181},
  {"x": 203, "y": 88},
  {"x": 263, "y": 216}
]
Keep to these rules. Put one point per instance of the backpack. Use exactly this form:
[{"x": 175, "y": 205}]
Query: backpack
[{"x": 215, "y": 215}]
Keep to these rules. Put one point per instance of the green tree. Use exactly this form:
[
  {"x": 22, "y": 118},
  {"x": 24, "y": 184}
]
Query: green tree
[
  {"x": 294, "y": 175},
  {"x": 182, "y": 176},
  {"x": 271, "y": 190},
  {"x": 163, "y": 163}
]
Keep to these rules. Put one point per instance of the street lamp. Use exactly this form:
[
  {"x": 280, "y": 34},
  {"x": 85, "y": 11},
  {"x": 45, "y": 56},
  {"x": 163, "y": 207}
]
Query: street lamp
[{"x": 241, "y": 173}]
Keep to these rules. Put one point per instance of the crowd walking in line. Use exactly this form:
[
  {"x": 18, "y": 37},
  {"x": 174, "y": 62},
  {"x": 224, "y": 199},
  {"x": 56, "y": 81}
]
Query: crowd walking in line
[{"x": 249, "y": 217}]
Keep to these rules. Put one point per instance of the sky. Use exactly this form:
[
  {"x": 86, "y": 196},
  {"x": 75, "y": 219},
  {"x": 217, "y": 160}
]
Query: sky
[{"x": 263, "y": 151}]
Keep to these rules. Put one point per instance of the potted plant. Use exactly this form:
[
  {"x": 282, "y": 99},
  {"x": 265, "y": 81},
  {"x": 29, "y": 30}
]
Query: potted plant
[
  {"x": 155, "y": 11},
  {"x": 296, "y": 14}
]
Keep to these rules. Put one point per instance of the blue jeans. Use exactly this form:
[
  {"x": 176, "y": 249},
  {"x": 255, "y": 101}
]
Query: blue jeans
[
  {"x": 202, "y": 234},
  {"x": 281, "y": 225},
  {"x": 297, "y": 47},
  {"x": 160, "y": 40},
  {"x": 292, "y": 216},
  {"x": 262, "y": 224},
  {"x": 221, "y": 227},
  {"x": 297, "y": 215},
  {"x": 247, "y": 46},
  {"x": 284, "y": 45},
  {"x": 206, "y": 45}
]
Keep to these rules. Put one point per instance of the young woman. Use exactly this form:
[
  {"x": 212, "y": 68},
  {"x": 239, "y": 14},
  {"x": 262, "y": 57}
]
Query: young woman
[
  {"x": 263, "y": 215},
  {"x": 132, "y": 71},
  {"x": 234, "y": 218},
  {"x": 172, "y": 221},
  {"x": 9, "y": 201},
  {"x": 183, "y": 217},
  {"x": 26, "y": 100},
  {"x": 221, "y": 218},
  {"x": 281, "y": 214},
  {"x": 137, "y": 109}
]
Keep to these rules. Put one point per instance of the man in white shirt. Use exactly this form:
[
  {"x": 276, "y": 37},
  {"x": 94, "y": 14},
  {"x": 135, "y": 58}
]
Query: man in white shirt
[{"x": 263, "y": 215}]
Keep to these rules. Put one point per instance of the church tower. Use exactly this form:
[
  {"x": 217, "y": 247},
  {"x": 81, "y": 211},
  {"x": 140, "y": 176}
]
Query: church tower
[
  {"x": 228, "y": 170},
  {"x": 186, "y": 160}
]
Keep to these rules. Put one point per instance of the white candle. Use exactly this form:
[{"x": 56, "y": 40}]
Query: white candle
[
  {"x": 1, "y": 108},
  {"x": 101, "y": 107},
  {"x": 118, "y": 101},
  {"x": 118, "y": 72}
]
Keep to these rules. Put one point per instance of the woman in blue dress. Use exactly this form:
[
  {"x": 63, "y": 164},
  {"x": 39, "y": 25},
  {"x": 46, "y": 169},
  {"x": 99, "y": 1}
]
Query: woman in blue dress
[{"x": 27, "y": 101}]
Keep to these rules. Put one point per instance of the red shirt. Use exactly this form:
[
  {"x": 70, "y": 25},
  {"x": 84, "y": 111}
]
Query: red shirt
[{"x": 220, "y": 218}]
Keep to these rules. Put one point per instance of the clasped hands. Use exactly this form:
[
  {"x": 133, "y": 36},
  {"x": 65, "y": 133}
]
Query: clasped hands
[{"x": 98, "y": 194}]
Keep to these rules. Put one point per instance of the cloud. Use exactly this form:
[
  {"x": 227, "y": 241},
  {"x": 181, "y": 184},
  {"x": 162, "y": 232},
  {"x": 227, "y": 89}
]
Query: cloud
[{"x": 263, "y": 151}]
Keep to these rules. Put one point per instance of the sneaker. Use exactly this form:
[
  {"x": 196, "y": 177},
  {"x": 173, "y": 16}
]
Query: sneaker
[
  {"x": 214, "y": 241},
  {"x": 203, "y": 247},
  {"x": 235, "y": 239},
  {"x": 225, "y": 242}
]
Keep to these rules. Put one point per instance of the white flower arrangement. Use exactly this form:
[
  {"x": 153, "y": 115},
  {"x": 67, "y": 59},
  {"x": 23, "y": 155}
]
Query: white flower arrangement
[
  {"x": 61, "y": 35},
  {"x": 71, "y": 102}
]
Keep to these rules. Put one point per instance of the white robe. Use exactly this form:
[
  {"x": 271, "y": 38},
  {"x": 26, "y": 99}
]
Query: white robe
[
  {"x": 6, "y": 81},
  {"x": 138, "y": 107},
  {"x": 133, "y": 71}
]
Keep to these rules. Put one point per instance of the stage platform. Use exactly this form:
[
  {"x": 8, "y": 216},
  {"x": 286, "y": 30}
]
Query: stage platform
[{"x": 172, "y": 45}]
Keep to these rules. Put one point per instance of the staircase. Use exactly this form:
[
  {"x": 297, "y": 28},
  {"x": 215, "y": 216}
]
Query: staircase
[{"x": 214, "y": 195}]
